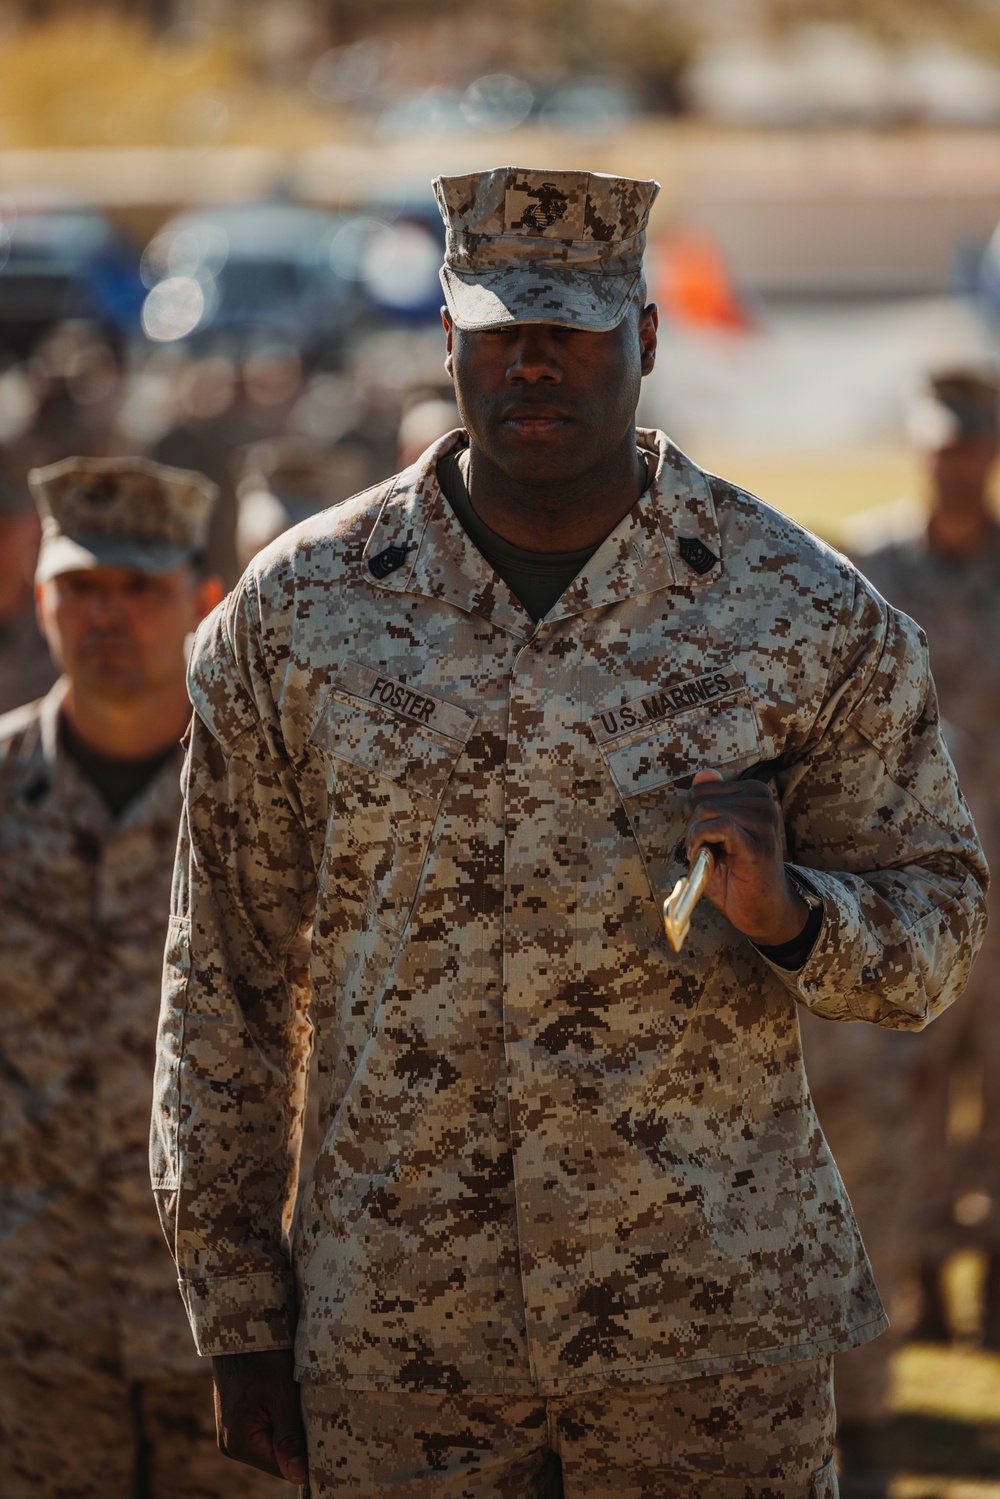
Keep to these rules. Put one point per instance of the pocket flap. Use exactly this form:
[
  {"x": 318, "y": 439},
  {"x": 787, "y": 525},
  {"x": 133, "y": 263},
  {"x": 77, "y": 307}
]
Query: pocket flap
[
  {"x": 726, "y": 738},
  {"x": 393, "y": 729}
]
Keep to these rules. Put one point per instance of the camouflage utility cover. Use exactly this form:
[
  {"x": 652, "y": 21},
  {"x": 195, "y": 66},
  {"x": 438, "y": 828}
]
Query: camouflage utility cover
[
  {"x": 119, "y": 512},
  {"x": 86, "y": 1284},
  {"x": 555, "y": 1155},
  {"x": 542, "y": 247}
]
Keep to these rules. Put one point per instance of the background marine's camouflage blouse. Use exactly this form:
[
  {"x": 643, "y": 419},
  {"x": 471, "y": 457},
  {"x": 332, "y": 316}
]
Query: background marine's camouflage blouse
[
  {"x": 555, "y": 1154},
  {"x": 86, "y": 1285}
]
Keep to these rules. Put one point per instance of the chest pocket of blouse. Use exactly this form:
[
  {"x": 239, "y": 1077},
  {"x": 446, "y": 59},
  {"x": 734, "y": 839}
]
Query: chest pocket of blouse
[
  {"x": 387, "y": 770},
  {"x": 652, "y": 773}
]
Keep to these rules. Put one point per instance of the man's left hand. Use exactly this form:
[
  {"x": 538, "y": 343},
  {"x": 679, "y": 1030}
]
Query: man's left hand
[
  {"x": 741, "y": 823},
  {"x": 257, "y": 1415}
]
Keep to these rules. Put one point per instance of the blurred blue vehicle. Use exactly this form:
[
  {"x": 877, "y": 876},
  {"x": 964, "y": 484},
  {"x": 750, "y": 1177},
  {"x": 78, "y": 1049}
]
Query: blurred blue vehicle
[
  {"x": 393, "y": 250},
  {"x": 286, "y": 273},
  {"x": 247, "y": 274},
  {"x": 63, "y": 260}
]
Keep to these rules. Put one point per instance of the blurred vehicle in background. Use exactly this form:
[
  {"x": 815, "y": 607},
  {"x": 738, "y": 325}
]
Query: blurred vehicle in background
[
  {"x": 63, "y": 260},
  {"x": 392, "y": 251},
  {"x": 249, "y": 273},
  {"x": 283, "y": 272}
]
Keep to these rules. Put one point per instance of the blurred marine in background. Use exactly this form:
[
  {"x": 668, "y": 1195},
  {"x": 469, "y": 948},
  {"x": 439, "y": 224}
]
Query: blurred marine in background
[
  {"x": 948, "y": 578},
  {"x": 101, "y": 1393},
  {"x": 914, "y": 1121}
]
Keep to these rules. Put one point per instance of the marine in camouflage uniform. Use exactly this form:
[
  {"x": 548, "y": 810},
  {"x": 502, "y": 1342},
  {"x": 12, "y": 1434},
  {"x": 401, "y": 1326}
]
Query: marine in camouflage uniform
[
  {"x": 948, "y": 578},
  {"x": 573, "y": 1221},
  {"x": 883, "y": 1100},
  {"x": 101, "y": 1391}
]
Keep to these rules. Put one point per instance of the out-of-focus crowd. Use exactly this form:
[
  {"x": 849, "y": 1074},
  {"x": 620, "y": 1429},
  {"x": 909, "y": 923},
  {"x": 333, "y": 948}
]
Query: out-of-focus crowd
[
  {"x": 279, "y": 439},
  {"x": 88, "y": 812}
]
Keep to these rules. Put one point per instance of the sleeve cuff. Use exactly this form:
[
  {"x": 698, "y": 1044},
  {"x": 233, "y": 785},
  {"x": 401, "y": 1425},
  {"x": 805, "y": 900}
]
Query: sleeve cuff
[
  {"x": 842, "y": 978},
  {"x": 795, "y": 954},
  {"x": 241, "y": 1313}
]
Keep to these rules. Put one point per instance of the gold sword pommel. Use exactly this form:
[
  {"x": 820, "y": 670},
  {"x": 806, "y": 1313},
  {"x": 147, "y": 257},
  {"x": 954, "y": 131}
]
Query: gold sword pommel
[{"x": 679, "y": 905}]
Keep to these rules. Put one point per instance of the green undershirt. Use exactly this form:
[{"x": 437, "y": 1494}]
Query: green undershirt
[
  {"x": 537, "y": 579},
  {"x": 118, "y": 782}
]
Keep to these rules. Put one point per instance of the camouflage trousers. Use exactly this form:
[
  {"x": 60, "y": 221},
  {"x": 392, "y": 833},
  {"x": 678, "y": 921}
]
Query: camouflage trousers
[
  {"x": 88, "y": 1436},
  {"x": 763, "y": 1434}
]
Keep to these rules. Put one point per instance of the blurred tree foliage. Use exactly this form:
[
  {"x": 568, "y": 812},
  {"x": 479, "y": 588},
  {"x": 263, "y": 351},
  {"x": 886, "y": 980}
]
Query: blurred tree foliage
[
  {"x": 101, "y": 79},
  {"x": 199, "y": 72},
  {"x": 974, "y": 24},
  {"x": 649, "y": 41}
]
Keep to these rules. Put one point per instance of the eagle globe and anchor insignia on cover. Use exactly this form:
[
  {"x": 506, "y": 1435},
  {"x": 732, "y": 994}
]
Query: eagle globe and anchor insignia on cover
[{"x": 551, "y": 206}]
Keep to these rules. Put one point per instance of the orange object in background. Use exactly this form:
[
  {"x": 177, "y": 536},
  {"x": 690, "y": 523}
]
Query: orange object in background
[{"x": 694, "y": 286}]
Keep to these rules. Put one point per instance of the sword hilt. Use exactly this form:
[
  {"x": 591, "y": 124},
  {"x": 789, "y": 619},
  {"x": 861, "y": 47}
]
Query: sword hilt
[{"x": 680, "y": 903}]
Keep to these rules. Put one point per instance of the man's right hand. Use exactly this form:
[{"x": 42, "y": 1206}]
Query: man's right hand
[{"x": 257, "y": 1414}]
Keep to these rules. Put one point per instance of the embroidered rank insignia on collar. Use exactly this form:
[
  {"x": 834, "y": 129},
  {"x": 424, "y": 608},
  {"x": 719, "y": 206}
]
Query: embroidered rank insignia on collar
[
  {"x": 387, "y": 561},
  {"x": 696, "y": 554}
]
